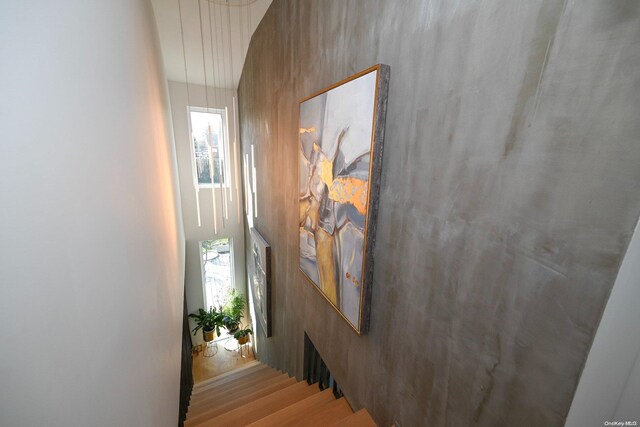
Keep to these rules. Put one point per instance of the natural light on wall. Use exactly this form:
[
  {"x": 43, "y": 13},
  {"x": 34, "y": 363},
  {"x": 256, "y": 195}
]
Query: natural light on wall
[
  {"x": 248, "y": 193},
  {"x": 213, "y": 151}
]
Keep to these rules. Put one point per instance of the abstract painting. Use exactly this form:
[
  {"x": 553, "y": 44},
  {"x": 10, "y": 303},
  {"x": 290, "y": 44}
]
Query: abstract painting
[
  {"x": 260, "y": 280},
  {"x": 340, "y": 151}
]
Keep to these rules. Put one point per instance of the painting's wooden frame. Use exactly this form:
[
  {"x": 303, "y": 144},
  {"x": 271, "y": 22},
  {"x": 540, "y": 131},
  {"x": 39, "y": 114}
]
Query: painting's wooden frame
[
  {"x": 255, "y": 235},
  {"x": 373, "y": 195}
]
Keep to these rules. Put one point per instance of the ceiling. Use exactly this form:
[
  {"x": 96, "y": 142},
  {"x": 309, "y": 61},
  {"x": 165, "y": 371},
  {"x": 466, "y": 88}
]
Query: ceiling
[{"x": 230, "y": 28}]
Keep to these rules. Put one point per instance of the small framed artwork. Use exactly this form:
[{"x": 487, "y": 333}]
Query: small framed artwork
[
  {"x": 340, "y": 160},
  {"x": 260, "y": 280}
]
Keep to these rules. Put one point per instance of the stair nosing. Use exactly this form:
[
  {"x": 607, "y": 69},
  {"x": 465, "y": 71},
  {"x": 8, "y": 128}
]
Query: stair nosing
[
  {"x": 209, "y": 415},
  {"x": 246, "y": 379},
  {"x": 303, "y": 386},
  {"x": 260, "y": 385},
  {"x": 223, "y": 378},
  {"x": 249, "y": 365},
  {"x": 322, "y": 399}
]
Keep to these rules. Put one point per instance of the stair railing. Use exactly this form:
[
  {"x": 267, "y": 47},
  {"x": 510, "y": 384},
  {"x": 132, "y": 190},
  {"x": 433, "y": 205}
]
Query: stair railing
[{"x": 186, "y": 368}]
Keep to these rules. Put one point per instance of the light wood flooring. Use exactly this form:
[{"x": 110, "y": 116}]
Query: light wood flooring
[{"x": 223, "y": 361}]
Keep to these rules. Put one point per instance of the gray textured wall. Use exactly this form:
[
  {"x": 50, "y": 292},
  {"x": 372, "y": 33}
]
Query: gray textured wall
[{"x": 509, "y": 194}]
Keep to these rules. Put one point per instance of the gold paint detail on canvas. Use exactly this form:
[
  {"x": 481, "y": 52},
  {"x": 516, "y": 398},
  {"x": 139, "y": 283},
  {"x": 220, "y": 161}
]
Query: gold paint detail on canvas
[
  {"x": 350, "y": 190},
  {"x": 309, "y": 208},
  {"x": 326, "y": 266},
  {"x": 344, "y": 189},
  {"x": 353, "y": 279},
  {"x": 326, "y": 172}
]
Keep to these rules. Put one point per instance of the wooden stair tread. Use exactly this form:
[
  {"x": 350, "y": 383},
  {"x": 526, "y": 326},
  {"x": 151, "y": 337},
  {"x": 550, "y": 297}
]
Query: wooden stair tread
[
  {"x": 205, "y": 413},
  {"x": 224, "y": 396},
  {"x": 249, "y": 382},
  {"x": 359, "y": 419},
  {"x": 239, "y": 375},
  {"x": 248, "y": 367},
  {"x": 296, "y": 411},
  {"x": 230, "y": 381},
  {"x": 331, "y": 413},
  {"x": 256, "y": 395},
  {"x": 254, "y": 380},
  {"x": 234, "y": 373},
  {"x": 260, "y": 408}
]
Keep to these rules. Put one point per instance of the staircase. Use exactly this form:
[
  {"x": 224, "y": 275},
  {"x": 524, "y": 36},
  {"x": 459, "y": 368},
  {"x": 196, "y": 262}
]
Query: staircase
[{"x": 259, "y": 396}]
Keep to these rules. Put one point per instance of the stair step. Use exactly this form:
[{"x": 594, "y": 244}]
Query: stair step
[
  {"x": 213, "y": 395},
  {"x": 248, "y": 367},
  {"x": 260, "y": 408},
  {"x": 359, "y": 419},
  {"x": 256, "y": 395},
  {"x": 203, "y": 413},
  {"x": 237, "y": 375},
  {"x": 331, "y": 413},
  {"x": 227, "y": 394},
  {"x": 207, "y": 395},
  {"x": 206, "y": 414},
  {"x": 296, "y": 411}
]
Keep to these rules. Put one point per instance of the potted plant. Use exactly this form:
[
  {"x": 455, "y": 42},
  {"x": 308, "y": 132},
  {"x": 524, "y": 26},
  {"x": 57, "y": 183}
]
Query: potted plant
[
  {"x": 209, "y": 321},
  {"x": 242, "y": 335},
  {"x": 234, "y": 311}
]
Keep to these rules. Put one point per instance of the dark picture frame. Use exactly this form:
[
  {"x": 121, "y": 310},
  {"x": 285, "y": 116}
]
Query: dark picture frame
[{"x": 259, "y": 275}]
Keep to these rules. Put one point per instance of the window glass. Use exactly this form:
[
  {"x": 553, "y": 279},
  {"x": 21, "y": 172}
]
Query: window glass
[
  {"x": 217, "y": 271},
  {"x": 208, "y": 132}
]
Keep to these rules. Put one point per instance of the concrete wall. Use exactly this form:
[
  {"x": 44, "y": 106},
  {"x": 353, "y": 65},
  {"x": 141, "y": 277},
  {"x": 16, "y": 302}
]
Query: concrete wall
[
  {"x": 233, "y": 226},
  {"x": 609, "y": 388},
  {"x": 509, "y": 195},
  {"x": 91, "y": 241}
]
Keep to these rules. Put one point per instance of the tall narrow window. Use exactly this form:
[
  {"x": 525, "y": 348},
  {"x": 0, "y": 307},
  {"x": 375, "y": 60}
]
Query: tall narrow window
[
  {"x": 217, "y": 271},
  {"x": 207, "y": 129}
]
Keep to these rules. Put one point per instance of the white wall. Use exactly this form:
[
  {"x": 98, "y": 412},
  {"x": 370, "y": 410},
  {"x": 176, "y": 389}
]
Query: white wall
[
  {"x": 609, "y": 388},
  {"x": 91, "y": 242},
  {"x": 233, "y": 226}
]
